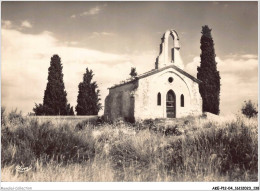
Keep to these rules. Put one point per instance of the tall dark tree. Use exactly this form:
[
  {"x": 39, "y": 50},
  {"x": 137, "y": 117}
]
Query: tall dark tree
[
  {"x": 55, "y": 96},
  {"x": 133, "y": 72},
  {"x": 88, "y": 97},
  {"x": 208, "y": 74}
]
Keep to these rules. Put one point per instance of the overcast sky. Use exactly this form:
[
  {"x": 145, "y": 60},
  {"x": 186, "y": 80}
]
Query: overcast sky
[{"x": 112, "y": 37}]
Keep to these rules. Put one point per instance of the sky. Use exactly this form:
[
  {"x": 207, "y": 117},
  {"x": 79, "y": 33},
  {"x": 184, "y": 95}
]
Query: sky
[{"x": 112, "y": 37}]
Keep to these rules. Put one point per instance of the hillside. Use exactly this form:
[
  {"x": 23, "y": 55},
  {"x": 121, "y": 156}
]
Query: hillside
[{"x": 189, "y": 149}]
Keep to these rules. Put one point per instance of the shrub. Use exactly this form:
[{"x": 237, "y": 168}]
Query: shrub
[
  {"x": 173, "y": 159},
  {"x": 90, "y": 123},
  {"x": 172, "y": 130},
  {"x": 44, "y": 142},
  {"x": 133, "y": 72},
  {"x": 249, "y": 109},
  {"x": 3, "y": 116},
  {"x": 81, "y": 125},
  {"x": 232, "y": 147},
  {"x": 100, "y": 120},
  {"x": 127, "y": 155},
  {"x": 15, "y": 117}
]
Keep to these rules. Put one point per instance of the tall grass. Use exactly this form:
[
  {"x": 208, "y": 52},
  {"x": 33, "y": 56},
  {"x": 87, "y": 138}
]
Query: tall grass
[{"x": 190, "y": 149}]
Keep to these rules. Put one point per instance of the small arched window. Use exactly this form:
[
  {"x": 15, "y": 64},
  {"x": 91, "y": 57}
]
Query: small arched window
[
  {"x": 182, "y": 100},
  {"x": 159, "y": 98}
]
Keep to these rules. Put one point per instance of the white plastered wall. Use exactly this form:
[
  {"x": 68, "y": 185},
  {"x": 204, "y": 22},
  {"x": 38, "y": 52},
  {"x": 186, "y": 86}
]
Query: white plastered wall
[{"x": 146, "y": 95}]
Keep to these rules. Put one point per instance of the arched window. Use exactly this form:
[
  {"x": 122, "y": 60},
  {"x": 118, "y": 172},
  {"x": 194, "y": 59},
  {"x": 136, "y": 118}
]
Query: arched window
[
  {"x": 170, "y": 48},
  {"x": 182, "y": 100},
  {"x": 159, "y": 98}
]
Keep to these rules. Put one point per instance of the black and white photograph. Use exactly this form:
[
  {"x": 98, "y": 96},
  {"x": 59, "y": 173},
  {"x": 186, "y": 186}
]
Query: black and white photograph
[{"x": 129, "y": 92}]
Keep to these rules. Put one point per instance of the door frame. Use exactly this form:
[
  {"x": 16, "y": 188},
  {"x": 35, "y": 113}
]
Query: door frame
[{"x": 174, "y": 103}]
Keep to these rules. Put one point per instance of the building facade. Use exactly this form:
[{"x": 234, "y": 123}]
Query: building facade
[{"x": 164, "y": 92}]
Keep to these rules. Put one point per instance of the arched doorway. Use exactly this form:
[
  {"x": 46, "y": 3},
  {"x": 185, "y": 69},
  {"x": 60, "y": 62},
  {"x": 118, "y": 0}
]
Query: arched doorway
[{"x": 171, "y": 104}]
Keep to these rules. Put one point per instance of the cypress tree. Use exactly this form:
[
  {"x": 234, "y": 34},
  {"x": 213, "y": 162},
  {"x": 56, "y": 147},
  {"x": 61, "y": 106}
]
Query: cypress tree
[
  {"x": 88, "y": 96},
  {"x": 55, "y": 96},
  {"x": 208, "y": 74}
]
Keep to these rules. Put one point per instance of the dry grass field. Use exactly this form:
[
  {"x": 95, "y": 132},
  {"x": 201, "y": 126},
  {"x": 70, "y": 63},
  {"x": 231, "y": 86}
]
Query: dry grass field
[{"x": 189, "y": 149}]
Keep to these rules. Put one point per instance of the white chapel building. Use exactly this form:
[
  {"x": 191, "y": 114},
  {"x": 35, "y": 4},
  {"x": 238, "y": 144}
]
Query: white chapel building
[{"x": 167, "y": 91}]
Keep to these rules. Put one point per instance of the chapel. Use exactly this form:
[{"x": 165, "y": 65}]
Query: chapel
[{"x": 167, "y": 91}]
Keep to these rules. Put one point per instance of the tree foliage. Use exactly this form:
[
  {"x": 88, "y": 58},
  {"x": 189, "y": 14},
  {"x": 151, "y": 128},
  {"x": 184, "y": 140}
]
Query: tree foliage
[
  {"x": 55, "y": 96},
  {"x": 249, "y": 109},
  {"x": 133, "y": 72},
  {"x": 208, "y": 74},
  {"x": 88, "y": 96}
]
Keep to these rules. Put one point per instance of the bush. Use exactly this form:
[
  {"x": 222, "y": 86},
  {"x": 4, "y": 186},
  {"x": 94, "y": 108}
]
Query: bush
[
  {"x": 3, "y": 116},
  {"x": 213, "y": 150},
  {"x": 249, "y": 109},
  {"x": 81, "y": 125},
  {"x": 172, "y": 130},
  {"x": 100, "y": 120},
  {"x": 128, "y": 155},
  {"x": 16, "y": 117},
  {"x": 33, "y": 141}
]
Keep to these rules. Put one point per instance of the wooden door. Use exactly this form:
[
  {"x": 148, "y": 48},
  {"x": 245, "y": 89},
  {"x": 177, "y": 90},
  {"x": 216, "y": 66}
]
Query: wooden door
[{"x": 171, "y": 104}]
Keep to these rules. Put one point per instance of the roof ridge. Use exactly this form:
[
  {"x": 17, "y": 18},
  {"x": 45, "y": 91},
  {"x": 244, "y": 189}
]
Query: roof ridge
[{"x": 154, "y": 71}]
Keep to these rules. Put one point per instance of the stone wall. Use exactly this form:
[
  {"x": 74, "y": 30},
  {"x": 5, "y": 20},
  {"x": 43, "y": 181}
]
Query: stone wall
[{"x": 120, "y": 102}]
